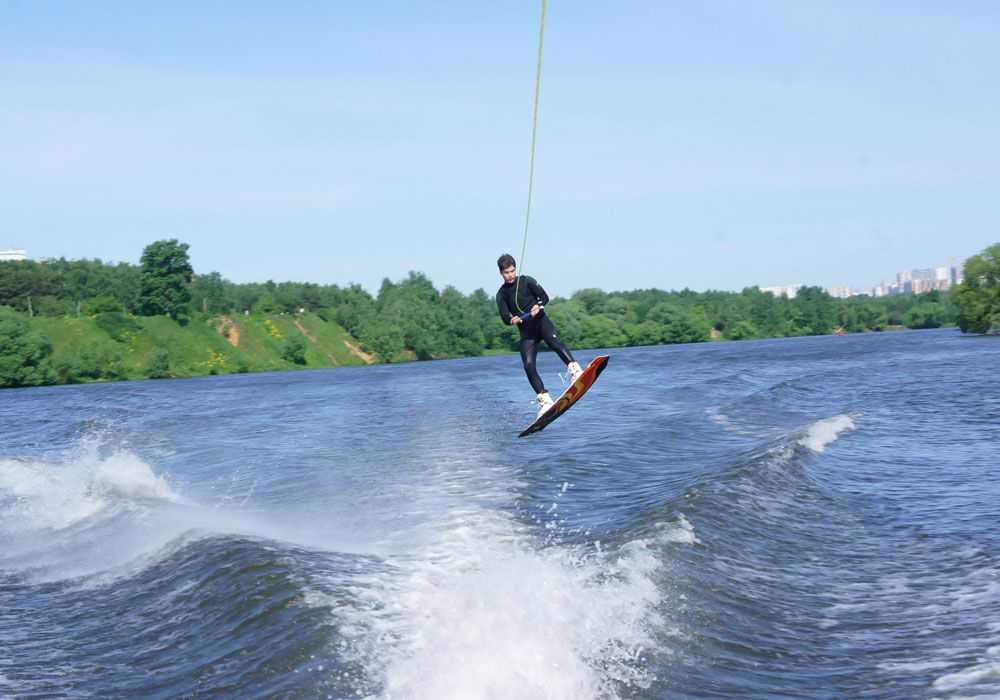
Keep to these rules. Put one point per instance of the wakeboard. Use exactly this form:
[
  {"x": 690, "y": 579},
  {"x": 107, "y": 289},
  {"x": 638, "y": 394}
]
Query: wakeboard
[{"x": 574, "y": 392}]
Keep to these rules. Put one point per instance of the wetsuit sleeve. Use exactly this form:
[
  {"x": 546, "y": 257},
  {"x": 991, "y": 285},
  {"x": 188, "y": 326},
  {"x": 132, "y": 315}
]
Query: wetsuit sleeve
[
  {"x": 537, "y": 290},
  {"x": 503, "y": 308}
]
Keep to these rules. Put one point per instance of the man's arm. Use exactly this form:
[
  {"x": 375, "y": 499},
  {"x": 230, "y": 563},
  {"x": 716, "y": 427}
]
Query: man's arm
[
  {"x": 537, "y": 290},
  {"x": 502, "y": 307}
]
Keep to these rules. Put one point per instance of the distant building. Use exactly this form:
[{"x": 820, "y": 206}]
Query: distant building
[
  {"x": 956, "y": 275},
  {"x": 13, "y": 255},
  {"x": 789, "y": 291},
  {"x": 921, "y": 280},
  {"x": 840, "y": 292}
]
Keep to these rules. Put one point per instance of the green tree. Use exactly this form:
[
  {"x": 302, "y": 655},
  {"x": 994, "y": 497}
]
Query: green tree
[
  {"x": 92, "y": 363},
  {"x": 24, "y": 353},
  {"x": 158, "y": 365},
  {"x": 117, "y": 325},
  {"x": 927, "y": 315},
  {"x": 814, "y": 312},
  {"x": 645, "y": 333},
  {"x": 978, "y": 296},
  {"x": 50, "y": 305},
  {"x": 601, "y": 332},
  {"x": 680, "y": 324},
  {"x": 568, "y": 316},
  {"x": 265, "y": 304},
  {"x": 102, "y": 304},
  {"x": 294, "y": 350},
  {"x": 460, "y": 323},
  {"x": 496, "y": 334},
  {"x": 383, "y": 338},
  {"x": 741, "y": 330},
  {"x": 126, "y": 285},
  {"x": 165, "y": 279},
  {"x": 352, "y": 307},
  {"x": 413, "y": 307},
  {"x": 617, "y": 309},
  {"x": 208, "y": 292},
  {"x": 593, "y": 300},
  {"x": 768, "y": 314},
  {"x": 687, "y": 328}
]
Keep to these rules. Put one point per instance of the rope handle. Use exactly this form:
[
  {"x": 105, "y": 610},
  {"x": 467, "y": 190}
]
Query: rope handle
[{"x": 526, "y": 316}]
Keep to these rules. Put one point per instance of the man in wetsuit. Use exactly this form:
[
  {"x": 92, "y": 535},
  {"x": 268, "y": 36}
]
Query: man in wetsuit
[{"x": 521, "y": 301}]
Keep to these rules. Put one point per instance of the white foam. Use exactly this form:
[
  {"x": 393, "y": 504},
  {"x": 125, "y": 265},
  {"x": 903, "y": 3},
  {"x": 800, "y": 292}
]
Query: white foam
[
  {"x": 716, "y": 415},
  {"x": 975, "y": 675},
  {"x": 127, "y": 476},
  {"x": 96, "y": 518},
  {"x": 971, "y": 597},
  {"x": 483, "y": 613},
  {"x": 724, "y": 421},
  {"x": 823, "y": 432},
  {"x": 913, "y": 666},
  {"x": 56, "y": 496},
  {"x": 681, "y": 532}
]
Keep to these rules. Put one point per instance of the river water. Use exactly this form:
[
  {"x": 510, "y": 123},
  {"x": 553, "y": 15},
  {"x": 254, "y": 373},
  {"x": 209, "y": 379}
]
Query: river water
[{"x": 795, "y": 518}]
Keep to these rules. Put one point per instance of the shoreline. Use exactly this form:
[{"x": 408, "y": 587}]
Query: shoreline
[{"x": 485, "y": 354}]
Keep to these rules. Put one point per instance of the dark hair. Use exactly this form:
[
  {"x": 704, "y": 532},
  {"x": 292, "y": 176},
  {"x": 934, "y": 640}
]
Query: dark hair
[{"x": 506, "y": 260}]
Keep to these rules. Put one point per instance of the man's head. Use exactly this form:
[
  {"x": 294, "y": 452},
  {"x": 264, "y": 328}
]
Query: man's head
[{"x": 508, "y": 267}]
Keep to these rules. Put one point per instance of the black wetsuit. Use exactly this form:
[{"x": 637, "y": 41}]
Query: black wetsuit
[{"x": 534, "y": 330}]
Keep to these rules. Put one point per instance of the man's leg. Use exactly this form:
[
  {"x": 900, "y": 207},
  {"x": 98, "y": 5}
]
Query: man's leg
[
  {"x": 552, "y": 338},
  {"x": 529, "y": 351}
]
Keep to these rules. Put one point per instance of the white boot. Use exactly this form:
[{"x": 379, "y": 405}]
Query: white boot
[
  {"x": 574, "y": 371},
  {"x": 544, "y": 402}
]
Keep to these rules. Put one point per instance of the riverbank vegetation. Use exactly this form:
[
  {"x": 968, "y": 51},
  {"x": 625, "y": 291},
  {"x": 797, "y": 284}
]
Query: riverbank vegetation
[
  {"x": 67, "y": 321},
  {"x": 978, "y": 296}
]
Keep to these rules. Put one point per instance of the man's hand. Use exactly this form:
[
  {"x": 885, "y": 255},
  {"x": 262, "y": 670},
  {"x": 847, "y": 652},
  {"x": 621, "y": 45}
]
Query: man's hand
[
  {"x": 535, "y": 310},
  {"x": 515, "y": 320}
]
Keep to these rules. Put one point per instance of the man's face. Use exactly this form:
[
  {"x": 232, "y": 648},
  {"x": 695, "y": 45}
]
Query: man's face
[{"x": 509, "y": 273}]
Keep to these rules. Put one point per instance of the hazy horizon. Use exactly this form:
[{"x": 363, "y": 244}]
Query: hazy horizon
[{"x": 703, "y": 147}]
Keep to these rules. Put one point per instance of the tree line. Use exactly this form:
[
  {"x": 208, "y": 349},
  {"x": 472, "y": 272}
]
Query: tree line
[
  {"x": 978, "y": 296},
  {"x": 412, "y": 319}
]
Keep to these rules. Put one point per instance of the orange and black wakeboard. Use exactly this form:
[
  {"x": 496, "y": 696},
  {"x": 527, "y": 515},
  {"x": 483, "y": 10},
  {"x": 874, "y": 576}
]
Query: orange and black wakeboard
[{"x": 569, "y": 397}]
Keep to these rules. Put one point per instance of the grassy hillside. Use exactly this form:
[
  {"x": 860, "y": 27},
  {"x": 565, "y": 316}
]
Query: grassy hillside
[{"x": 112, "y": 346}]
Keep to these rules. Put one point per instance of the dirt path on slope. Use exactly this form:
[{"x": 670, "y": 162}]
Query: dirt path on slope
[
  {"x": 358, "y": 352},
  {"x": 303, "y": 331},
  {"x": 312, "y": 339},
  {"x": 229, "y": 330}
]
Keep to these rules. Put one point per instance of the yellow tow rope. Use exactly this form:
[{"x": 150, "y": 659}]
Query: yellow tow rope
[{"x": 534, "y": 134}]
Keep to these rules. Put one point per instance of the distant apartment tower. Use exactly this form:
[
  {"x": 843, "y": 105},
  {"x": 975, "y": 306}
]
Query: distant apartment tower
[
  {"x": 921, "y": 280},
  {"x": 883, "y": 289},
  {"x": 13, "y": 255},
  {"x": 839, "y": 292}
]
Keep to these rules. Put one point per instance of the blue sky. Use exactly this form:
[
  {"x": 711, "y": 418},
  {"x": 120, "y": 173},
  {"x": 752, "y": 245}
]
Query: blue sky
[{"x": 721, "y": 146}]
